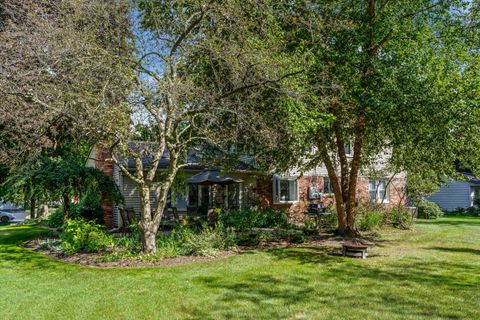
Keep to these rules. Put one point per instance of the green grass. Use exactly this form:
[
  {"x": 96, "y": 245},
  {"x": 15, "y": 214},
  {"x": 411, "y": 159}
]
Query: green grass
[{"x": 432, "y": 272}]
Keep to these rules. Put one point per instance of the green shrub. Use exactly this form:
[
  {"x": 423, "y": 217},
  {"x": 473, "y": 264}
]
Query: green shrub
[
  {"x": 371, "y": 216},
  {"x": 369, "y": 221},
  {"x": 429, "y": 210},
  {"x": 88, "y": 208},
  {"x": 328, "y": 221},
  {"x": 55, "y": 220},
  {"x": 84, "y": 236},
  {"x": 129, "y": 243},
  {"x": 247, "y": 218},
  {"x": 298, "y": 238},
  {"x": 169, "y": 246},
  {"x": 249, "y": 238},
  {"x": 461, "y": 212},
  {"x": 183, "y": 240},
  {"x": 205, "y": 243},
  {"x": 472, "y": 211},
  {"x": 401, "y": 217}
]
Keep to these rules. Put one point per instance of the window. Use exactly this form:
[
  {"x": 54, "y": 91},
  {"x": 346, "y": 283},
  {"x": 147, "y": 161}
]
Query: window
[
  {"x": 377, "y": 191},
  {"x": 327, "y": 186},
  {"x": 284, "y": 190}
]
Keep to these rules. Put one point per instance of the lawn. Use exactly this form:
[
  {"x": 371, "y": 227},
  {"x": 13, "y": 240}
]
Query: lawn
[{"x": 431, "y": 272}]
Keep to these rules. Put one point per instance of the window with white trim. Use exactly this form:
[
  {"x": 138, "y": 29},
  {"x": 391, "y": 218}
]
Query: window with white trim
[
  {"x": 285, "y": 190},
  {"x": 327, "y": 186},
  {"x": 378, "y": 191}
]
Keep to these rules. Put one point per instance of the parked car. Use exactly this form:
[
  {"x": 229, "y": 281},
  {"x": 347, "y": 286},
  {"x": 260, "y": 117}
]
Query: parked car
[{"x": 6, "y": 216}]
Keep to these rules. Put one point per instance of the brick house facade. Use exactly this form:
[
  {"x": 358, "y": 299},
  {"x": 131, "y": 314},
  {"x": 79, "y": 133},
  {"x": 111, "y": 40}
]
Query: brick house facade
[
  {"x": 253, "y": 185},
  {"x": 297, "y": 209}
]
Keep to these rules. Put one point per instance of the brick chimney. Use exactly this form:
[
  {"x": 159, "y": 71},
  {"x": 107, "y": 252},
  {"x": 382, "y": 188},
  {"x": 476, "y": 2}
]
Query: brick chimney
[{"x": 105, "y": 164}]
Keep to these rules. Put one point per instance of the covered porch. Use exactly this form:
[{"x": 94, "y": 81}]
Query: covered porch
[{"x": 207, "y": 191}]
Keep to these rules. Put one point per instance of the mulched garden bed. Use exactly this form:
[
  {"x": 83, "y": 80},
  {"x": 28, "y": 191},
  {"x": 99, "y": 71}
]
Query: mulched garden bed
[{"x": 92, "y": 259}]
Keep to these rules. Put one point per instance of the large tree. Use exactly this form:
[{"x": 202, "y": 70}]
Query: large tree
[
  {"x": 199, "y": 64},
  {"x": 387, "y": 77},
  {"x": 50, "y": 179},
  {"x": 62, "y": 64}
]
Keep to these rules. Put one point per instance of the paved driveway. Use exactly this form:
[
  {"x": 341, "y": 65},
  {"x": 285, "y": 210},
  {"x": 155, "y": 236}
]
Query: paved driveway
[{"x": 20, "y": 216}]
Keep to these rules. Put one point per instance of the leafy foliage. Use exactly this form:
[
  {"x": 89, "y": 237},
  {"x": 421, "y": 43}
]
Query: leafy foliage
[
  {"x": 371, "y": 216},
  {"x": 181, "y": 241},
  {"x": 50, "y": 179},
  {"x": 51, "y": 245},
  {"x": 429, "y": 210},
  {"x": 64, "y": 67},
  {"x": 80, "y": 235},
  {"x": 248, "y": 218},
  {"x": 461, "y": 212},
  {"x": 55, "y": 220},
  {"x": 205, "y": 243},
  {"x": 394, "y": 78},
  {"x": 400, "y": 217},
  {"x": 369, "y": 221}
]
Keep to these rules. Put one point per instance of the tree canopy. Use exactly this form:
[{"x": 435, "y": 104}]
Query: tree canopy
[
  {"x": 48, "y": 179},
  {"x": 388, "y": 78},
  {"x": 62, "y": 64}
]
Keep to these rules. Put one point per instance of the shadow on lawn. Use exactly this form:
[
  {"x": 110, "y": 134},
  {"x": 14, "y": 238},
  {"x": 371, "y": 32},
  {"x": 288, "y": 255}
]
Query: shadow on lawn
[
  {"x": 342, "y": 285},
  {"x": 12, "y": 252},
  {"x": 465, "y": 221},
  {"x": 307, "y": 255},
  {"x": 456, "y": 250}
]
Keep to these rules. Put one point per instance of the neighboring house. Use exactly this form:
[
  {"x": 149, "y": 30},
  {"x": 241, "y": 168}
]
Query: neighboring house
[
  {"x": 457, "y": 193},
  {"x": 244, "y": 187}
]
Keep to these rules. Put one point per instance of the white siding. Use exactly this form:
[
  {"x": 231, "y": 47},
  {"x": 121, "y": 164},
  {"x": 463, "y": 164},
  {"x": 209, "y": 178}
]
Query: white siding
[
  {"x": 455, "y": 194},
  {"x": 130, "y": 192}
]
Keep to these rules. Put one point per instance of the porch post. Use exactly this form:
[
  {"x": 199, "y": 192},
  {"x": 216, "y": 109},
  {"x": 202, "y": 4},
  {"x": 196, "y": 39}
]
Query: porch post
[
  {"x": 240, "y": 195},
  {"x": 225, "y": 195}
]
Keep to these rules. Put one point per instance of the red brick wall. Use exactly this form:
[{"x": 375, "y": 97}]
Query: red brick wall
[
  {"x": 297, "y": 209},
  {"x": 397, "y": 191},
  {"x": 104, "y": 163}
]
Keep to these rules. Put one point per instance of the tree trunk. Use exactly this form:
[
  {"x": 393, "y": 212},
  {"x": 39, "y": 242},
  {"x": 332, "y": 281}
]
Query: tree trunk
[
  {"x": 147, "y": 228},
  {"x": 33, "y": 204},
  {"x": 148, "y": 237},
  {"x": 342, "y": 221},
  {"x": 42, "y": 210},
  {"x": 336, "y": 185},
  {"x": 66, "y": 206}
]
